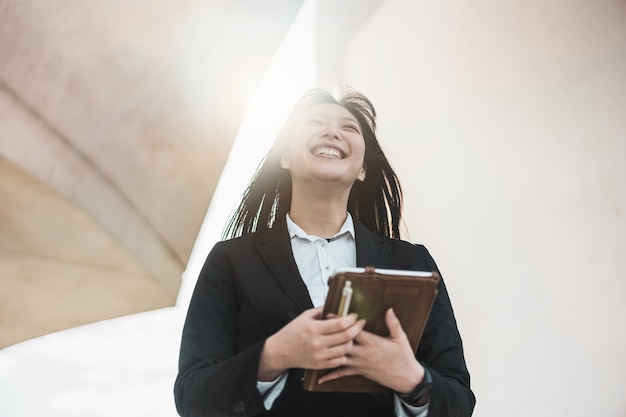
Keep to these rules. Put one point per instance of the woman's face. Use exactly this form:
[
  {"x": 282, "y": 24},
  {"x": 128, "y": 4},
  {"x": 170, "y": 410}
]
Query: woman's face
[{"x": 326, "y": 144}]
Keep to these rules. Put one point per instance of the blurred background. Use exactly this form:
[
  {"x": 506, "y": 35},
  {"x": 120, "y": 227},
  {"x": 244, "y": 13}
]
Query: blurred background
[{"x": 128, "y": 130}]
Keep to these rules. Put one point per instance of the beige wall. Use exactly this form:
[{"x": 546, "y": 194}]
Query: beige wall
[
  {"x": 506, "y": 122},
  {"x": 116, "y": 118}
]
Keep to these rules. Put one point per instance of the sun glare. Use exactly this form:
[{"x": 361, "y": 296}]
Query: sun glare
[
  {"x": 130, "y": 363},
  {"x": 292, "y": 71}
]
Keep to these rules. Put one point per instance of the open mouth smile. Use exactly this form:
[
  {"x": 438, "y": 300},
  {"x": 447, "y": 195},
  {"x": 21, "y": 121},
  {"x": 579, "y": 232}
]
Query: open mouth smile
[{"x": 327, "y": 151}]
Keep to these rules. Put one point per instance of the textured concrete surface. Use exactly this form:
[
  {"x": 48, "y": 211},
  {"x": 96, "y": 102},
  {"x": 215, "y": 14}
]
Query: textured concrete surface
[{"x": 116, "y": 118}]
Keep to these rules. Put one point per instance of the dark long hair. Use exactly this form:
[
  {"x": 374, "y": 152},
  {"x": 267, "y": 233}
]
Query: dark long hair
[{"x": 376, "y": 201}]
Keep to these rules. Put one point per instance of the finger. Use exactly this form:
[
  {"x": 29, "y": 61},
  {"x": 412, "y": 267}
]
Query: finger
[
  {"x": 344, "y": 336},
  {"x": 337, "y": 373},
  {"x": 356, "y": 355},
  {"x": 393, "y": 324},
  {"x": 330, "y": 356},
  {"x": 338, "y": 324},
  {"x": 338, "y": 354},
  {"x": 313, "y": 313},
  {"x": 366, "y": 338}
]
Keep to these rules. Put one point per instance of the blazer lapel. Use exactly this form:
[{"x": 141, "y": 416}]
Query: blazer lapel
[
  {"x": 371, "y": 249},
  {"x": 274, "y": 247}
]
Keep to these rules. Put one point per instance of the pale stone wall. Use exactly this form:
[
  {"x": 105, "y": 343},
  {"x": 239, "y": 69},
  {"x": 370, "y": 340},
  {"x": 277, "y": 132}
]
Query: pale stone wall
[{"x": 506, "y": 121}]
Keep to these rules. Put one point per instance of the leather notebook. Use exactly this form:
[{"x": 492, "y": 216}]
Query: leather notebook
[{"x": 373, "y": 291}]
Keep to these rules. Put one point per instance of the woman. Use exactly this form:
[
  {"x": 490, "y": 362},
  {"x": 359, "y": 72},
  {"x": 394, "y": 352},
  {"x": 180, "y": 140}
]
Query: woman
[{"x": 324, "y": 197}]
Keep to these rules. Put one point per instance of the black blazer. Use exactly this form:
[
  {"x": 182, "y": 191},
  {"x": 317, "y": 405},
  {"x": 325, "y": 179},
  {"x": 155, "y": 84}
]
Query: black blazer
[{"x": 250, "y": 287}]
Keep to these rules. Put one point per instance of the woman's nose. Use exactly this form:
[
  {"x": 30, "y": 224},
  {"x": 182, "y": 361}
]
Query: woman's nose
[{"x": 331, "y": 131}]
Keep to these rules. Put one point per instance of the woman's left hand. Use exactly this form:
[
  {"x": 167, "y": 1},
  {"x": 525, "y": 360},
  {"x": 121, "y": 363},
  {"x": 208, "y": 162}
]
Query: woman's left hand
[{"x": 390, "y": 361}]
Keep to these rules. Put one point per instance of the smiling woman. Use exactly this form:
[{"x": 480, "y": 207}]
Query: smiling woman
[
  {"x": 326, "y": 145},
  {"x": 269, "y": 195},
  {"x": 324, "y": 197}
]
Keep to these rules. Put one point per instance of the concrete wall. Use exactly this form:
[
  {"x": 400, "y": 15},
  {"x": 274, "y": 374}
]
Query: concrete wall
[
  {"x": 506, "y": 122},
  {"x": 116, "y": 118}
]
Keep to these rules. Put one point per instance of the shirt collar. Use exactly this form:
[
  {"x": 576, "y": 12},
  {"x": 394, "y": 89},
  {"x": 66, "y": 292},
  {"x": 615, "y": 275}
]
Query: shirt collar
[{"x": 297, "y": 231}]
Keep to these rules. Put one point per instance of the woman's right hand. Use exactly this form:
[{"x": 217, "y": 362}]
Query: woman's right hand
[{"x": 307, "y": 342}]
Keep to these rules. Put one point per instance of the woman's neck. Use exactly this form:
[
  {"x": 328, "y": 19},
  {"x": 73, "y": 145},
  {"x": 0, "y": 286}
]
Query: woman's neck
[{"x": 318, "y": 214}]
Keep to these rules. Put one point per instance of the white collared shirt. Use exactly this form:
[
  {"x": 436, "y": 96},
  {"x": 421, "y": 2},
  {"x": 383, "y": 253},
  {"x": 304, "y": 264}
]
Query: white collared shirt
[{"x": 317, "y": 258}]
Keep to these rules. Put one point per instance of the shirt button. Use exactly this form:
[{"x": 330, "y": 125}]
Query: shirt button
[{"x": 239, "y": 407}]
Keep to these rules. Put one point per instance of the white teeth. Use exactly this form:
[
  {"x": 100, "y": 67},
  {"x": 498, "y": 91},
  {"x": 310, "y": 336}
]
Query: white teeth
[{"x": 327, "y": 151}]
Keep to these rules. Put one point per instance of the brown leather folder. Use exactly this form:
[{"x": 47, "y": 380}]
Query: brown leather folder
[{"x": 411, "y": 294}]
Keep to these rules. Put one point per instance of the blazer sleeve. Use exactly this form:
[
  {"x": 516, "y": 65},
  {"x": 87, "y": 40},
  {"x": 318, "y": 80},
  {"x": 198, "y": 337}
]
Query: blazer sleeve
[
  {"x": 441, "y": 351},
  {"x": 215, "y": 378}
]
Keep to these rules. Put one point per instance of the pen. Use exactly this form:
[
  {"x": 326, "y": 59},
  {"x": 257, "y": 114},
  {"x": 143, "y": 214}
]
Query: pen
[{"x": 346, "y": 297}]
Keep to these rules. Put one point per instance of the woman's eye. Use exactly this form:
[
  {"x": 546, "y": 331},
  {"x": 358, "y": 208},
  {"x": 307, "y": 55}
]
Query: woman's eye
[
  {"x": 313, "y": 122},
  {"x": 353, "y": 128}
]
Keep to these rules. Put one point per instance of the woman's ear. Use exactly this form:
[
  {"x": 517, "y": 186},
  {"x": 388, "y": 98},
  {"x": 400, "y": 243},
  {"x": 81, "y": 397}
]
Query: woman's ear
[
  {"x": 362, "y": 172},
  {"x": 284, "y": 161}
]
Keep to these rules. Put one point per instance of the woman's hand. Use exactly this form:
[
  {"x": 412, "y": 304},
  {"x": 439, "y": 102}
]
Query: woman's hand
[
  {"x": 307, "y": 342},
  {"x": 389, "y": 361}
]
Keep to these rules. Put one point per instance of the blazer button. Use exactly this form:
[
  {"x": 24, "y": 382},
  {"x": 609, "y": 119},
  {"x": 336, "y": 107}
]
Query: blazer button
[{"x": 239, "y": 406}]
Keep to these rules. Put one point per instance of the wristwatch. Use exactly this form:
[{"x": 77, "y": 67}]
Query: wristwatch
[{"x": 420, "y": 391}]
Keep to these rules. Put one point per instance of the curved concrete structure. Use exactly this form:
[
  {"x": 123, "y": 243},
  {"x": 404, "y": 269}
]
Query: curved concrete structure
[{"x": 116, "y": 119}]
